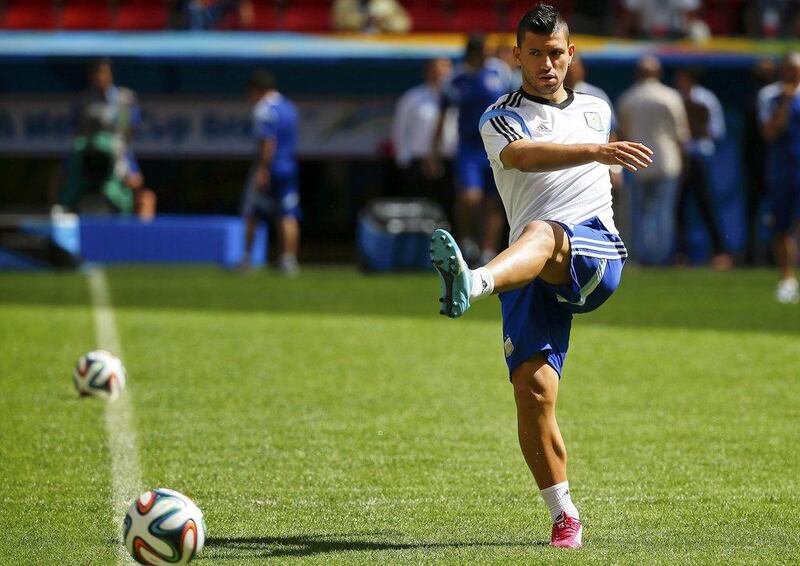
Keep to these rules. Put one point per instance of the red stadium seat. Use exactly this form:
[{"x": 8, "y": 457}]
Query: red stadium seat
[
  {"x": 721, "y": 16},
  {"x": 265, "y": 15},
  {"x": 142, "y": 15},
  {"x": 86, "y": 15},
  {"x": 427, "y": 15},
  {"x": 306, "y": 15},
  {"x": 471, "y": 16},
  {"x": 30, "y": 14}
]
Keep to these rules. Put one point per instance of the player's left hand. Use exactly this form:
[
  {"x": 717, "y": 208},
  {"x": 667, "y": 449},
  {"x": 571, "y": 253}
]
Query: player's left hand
[{"x": 630, "y": 155}]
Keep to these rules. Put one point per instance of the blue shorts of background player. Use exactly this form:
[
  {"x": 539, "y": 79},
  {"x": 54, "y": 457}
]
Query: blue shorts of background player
[
  {"x": 537, "y": 318},
  {"x": 785, "y": 197},
  {"x": 281, "y": 200},
  {"x": 132, "y": 165},
  {"x": 473, "y": 171}
]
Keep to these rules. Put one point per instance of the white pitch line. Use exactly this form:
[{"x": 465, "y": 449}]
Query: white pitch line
[{"x": 120, "y": 429}]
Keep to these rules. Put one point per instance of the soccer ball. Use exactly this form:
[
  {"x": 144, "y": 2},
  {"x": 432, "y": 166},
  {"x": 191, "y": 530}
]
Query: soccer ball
[
  {"x": 164, "y": 527},
  {"x": 99, "y": 373}
]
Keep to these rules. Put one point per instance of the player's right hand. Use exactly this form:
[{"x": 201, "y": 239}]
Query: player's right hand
[{"x": 630, "y": 155}]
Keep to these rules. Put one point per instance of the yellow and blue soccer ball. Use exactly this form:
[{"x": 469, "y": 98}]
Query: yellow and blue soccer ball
[{"x": 164, "y": 527}]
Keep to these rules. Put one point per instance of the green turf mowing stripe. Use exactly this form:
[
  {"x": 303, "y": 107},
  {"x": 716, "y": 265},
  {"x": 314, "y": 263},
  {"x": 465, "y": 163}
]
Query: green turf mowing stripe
[
  {"x": 337, "y": 419},
  {"x": 54, "y": 484}
]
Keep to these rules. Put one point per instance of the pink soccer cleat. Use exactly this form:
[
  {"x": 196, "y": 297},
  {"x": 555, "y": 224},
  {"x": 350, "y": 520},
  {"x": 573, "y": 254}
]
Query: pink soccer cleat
[{"x": 567, "y": 532}]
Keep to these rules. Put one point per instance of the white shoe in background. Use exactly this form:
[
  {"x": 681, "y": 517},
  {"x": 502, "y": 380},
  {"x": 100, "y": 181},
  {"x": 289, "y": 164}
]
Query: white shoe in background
[{"x": 788, "y": 291}]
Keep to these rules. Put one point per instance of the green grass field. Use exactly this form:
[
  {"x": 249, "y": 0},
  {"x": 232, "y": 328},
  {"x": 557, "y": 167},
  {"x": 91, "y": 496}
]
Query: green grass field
[{"x": 337, "y": 418}]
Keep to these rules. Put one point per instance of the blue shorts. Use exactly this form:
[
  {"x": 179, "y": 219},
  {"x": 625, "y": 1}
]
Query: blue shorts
[
  {"x": 133, "y": 165},
  {"x": 473, "y": 170},
  {"x": 785, "y": 197},
  {"x": 537, "y": 318},
  {"x": 281, "y": 200}
]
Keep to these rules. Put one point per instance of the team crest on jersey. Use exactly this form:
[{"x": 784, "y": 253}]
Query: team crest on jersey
[
  {"x": 541, "y": 126},
  {"x": 594, "y": 121},
  {"x": 508, "y": 346}
]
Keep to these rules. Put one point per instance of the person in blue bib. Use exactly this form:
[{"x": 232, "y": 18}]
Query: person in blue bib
[
  {"x": 476, "y": 85},
  {"x": 271, "y": 191},
  {"x": 779, "y": 113}
]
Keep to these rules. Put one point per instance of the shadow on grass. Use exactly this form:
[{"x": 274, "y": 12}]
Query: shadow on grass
[{"x": 236, "y": 548}]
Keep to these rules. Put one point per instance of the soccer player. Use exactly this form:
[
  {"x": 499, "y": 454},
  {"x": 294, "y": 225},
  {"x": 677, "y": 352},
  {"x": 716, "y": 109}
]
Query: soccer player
[
  {"x": 106, "y": 117},
  {"x": 549, "y": 151},
  {"x": 707, "y": 129},
  {"x": 478, "y": 83},
  {"x": 271, "y": 188},
  {"x": 779, "y": 113}
]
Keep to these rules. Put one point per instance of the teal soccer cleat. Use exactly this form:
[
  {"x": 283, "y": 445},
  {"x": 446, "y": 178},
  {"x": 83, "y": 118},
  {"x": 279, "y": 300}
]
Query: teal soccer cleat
[{"x": 455, "y": 278}]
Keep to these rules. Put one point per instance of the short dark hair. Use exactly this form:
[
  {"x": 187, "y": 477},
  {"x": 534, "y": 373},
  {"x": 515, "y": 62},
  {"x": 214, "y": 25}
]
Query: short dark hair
[
  {"x": 97, "y": 64},
  {"x": 695, "y": 74},
  {"x": 542, "y": 19},
  {"x": 476, "y": 44},
  {"x": 262, "y": 80}
]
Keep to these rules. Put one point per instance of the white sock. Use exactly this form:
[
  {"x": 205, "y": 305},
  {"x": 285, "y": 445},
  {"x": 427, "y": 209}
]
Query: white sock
[
  {"x": 558, "y": 501},
  {"x": 482, "y": 284}
]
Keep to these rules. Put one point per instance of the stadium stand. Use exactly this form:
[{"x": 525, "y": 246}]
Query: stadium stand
[
  {"x": 265, "y": 16},
  {"x": 723, "y": 17},
  {"x": 141, "y": 15},
  {"x": 426, "y": 15},
  {"x": 305, "y": 15},
  {"x": 29, "y": 15},
  {"x": 87, "y": 15}
]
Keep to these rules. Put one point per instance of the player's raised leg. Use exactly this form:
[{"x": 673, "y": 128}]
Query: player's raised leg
[
  {"x": 542, "y": 250},
  {"x": 535, "y": 392}
]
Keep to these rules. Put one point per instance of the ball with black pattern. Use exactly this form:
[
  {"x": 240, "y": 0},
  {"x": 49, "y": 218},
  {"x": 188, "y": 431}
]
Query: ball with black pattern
[
  {"x": 99, "y": 374},
  {"x": 164, "y": 527}
]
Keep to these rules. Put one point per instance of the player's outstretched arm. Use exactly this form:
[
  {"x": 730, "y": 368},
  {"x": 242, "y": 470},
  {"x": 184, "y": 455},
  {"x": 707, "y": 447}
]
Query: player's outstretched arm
[{"x": 532, "y": 157}]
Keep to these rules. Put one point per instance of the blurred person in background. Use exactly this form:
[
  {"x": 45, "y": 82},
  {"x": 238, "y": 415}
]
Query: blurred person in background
[
  {"x": 415, "y": 119},
  {"x": 479, "y": 212},
  {"x": 653, "y": 114},
  {"x": 779, "y": 113},
  {"x": 370, "y": 16},
  {"x": 662, "y": 18},
  {"x": 591, "y": 17},
  {"x": 576, "y": 80},
  {"x": 505, "y": 53},
  {"x": 707, "y": 128},
  {"x": 204, "y": 15},
  {"x": 271, "y": 190},
  {"x": 773, "y": 18},
  {"x": 754, "y": 148},
  {"x": 101, "y": 173}
]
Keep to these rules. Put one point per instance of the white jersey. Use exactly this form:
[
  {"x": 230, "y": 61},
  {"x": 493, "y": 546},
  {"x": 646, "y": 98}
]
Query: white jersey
[{"x": 568, "y": 195}]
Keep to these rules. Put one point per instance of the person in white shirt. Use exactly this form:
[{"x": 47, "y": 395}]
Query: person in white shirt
[
  {"x": 549, "y": 152},
  {"x": 662, "y": 18},
  {"x": 415, "y": 119},
  {"x": 654, "y": 114}
]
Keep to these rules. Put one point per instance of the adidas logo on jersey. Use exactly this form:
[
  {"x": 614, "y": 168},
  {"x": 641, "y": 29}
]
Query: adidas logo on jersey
[{"x": 541, "y": 126}]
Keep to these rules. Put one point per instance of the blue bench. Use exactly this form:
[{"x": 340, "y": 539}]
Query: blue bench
[{"x": 168, "y": 239}]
